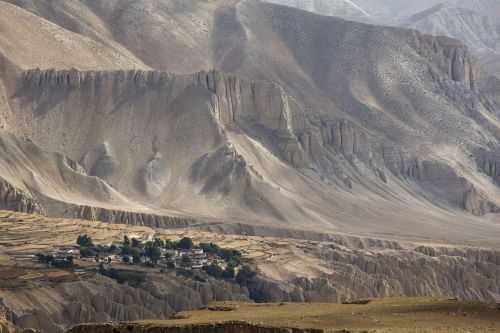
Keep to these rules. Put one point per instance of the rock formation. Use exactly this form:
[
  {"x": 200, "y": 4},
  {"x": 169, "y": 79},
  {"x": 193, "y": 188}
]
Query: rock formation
[
  {"x": 367, "y": 130},
  {"x": 99, "y": 299},
  {"x": 12, "y": 198}
]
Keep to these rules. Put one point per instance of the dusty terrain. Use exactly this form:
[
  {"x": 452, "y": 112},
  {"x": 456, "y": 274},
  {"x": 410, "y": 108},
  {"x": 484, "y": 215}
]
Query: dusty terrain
[
  {"x": 345, "y": 160},
  {"x": 289, "y": 270},
  {"x": 383, "y": 315},
  {"x": 369, "y": 131}
]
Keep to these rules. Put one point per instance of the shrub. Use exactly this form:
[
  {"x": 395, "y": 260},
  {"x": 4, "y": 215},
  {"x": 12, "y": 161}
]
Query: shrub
[
  {"x": 153, "y": 252},
  {"x": 228, "y": 273},
  {"x": 43, "y": 258},
  {"x": 185, "y": 244},
  {"x": 134, "y": 279},
  {"x": 136, "y": 243},
  {"x": 88, "y": 252},
  {"x": 210, "y": 248},
  {"x": 245, "y": 276},
  {"x": 170, "y": 245},
  {"x": 214, "y": 270},
  {"x": 84, "y": 241}
]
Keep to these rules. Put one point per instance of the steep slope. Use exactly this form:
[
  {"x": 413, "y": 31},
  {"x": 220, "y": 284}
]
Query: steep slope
[
  {"x": 342, "y": 8},
  {"x": 23, "y": 33},
  {"x": 173, "y": 35},
  {"x": 475, "y": 27},
  {"x": 359, "y": 126}
]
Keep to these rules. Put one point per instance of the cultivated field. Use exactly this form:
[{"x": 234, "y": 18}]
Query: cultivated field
[{"x": 382, "y": 316}]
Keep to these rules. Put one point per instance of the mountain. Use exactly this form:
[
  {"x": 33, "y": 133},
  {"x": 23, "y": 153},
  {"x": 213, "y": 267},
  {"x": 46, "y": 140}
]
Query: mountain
[
  {"x": 342, "y": 160},
  {"x": 342, "y": 8},
  {"x": 475, "y": 27},
  {"x": 476, "y": 23},
  {"x": 368, "y": 129},
  {"x": 26, "y": 32}
]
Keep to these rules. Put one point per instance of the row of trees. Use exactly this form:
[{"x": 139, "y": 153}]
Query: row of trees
[
  {"x": 132, "y": 247},
  {"x": 49, "y": 259},
  {"x": 232, "y": 257}
]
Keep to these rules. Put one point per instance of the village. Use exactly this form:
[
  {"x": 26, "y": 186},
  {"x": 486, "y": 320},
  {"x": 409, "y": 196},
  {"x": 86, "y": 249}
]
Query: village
[{"x": 182, "y": 255}]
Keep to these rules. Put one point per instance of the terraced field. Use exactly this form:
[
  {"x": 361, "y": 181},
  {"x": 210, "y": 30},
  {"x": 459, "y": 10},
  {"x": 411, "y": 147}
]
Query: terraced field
[{"x": 22, "y": 235}]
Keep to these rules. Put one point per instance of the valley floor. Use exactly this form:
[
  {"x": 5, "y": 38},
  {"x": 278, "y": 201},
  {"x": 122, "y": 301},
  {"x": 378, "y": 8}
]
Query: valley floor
[{"x": 380, "y": 315}]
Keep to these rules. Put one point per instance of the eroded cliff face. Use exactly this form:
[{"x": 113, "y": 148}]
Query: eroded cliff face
[
  {"x": 288, "y": 142},
  {"x": 349, "y": 273},
  {"x": 450, "y": 56},
  {"x": 125, "y": 217},
  {"x": 54, "y": 309},
  {"x": 157, "y": 138},
  {"x": 18, "y": 200}
]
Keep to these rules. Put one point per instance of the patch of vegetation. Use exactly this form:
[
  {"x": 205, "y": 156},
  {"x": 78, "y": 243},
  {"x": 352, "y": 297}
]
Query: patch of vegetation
[
  {"x": 132, "y": 278},
  {"x": 185, "y": 243},
  {"x": 233, "y": 257},
  {"x": 61, "y": 262},
  {"x": 152, "y": 251},
  {"x": 84, "y": 241},
  {"x": 247, "y": 277}
]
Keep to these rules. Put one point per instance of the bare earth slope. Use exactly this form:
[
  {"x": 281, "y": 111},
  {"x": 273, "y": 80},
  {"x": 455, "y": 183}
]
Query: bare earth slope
[
  {"x": 30, "y": 41},
  {"x": 471, "y": 24},
  {"x": 365, "y": 130}
]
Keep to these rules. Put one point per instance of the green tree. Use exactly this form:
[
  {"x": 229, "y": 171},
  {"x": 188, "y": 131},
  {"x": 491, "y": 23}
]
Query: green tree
[
  {"x": 228, "y": 273},
  {"x": 136, "y": 243},
  {"x": 245, "y": 276},
  {"x": 210, "y": 248},
  {"x": 214, "y": 270},
  {"x": 152, "y": 251},
  {"x": 159, "y": 243},
  {"x": 84, "y": 241},
  {"x": 87, "y": 252},
  {"x": 136, "y": 254},
  {"x": 185, "y": 244},
  {"x": 170, "y": 245}
]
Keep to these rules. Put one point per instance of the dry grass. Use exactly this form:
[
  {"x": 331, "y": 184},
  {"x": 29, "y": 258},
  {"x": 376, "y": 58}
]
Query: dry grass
[{"x": 384, "y": 315}]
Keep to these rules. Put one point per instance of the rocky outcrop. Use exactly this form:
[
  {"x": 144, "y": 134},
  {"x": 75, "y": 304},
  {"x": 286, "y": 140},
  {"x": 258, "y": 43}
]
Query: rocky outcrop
[
  {"x": 469, "y": 274},
  {"x": 450, "y": 57},
  {"x": 490, "y": 165},
  {"x": 76, "y": 79},
  {"x": 262, "y": 109},
  {"x": 128, "y": 217},
  {"x": 226, "y": 327},
  {"x": 478, "y": 204},
  {"x": 12, "y": 198},
  {"x": 55, "y": 308},
  {"x": 220, "y": 171}
]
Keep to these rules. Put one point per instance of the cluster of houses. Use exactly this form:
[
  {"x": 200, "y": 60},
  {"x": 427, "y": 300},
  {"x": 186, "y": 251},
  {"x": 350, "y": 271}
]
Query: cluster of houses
[
  {"x": 189, "y": 259},
  {"x": 192, "y": 259}
]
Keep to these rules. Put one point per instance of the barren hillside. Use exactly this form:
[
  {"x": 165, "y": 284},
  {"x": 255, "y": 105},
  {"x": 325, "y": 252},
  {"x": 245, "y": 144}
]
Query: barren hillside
[{"x": 308, "y": 121}]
